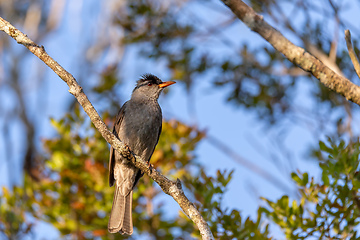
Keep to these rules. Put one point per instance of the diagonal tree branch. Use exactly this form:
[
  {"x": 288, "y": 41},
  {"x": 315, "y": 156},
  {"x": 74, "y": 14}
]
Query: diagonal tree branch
[
  {"x": 172, "y": 188},
  {"x": 293, "y": 53}
]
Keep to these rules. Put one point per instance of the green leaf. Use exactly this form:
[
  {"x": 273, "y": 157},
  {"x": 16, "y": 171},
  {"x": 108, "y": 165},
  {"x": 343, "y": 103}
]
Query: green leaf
[
  {"x": 296, "y": 178},
  {"x": 325, "y": 179},
  {"x": 305, "y": 179}
]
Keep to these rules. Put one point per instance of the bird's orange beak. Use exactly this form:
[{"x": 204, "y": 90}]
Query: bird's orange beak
[{"x": 165, "y": 84}]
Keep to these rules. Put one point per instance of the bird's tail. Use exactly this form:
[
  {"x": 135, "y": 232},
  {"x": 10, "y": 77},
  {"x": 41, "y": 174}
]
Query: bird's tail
[{"x": 121, "y": 214}]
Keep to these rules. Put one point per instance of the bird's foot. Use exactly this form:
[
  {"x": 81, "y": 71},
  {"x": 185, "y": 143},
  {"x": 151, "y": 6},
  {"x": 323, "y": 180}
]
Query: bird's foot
[
  {"x": 126, "y": 154},
  {"x": 150, "y": 166}
]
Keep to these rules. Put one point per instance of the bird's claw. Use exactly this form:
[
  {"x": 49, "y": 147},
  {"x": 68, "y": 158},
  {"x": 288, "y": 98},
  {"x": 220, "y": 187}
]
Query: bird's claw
[
  {"x": 150, "y": 166},
  {"x": 127, "y": 153}
]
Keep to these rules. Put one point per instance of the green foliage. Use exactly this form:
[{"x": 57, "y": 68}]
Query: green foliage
[
  {"x": 74, "y": 196},
  {"x": 224, "y": 223},
  {"x": 13, "y": 221},
  {"x": 327, "y": 209}
]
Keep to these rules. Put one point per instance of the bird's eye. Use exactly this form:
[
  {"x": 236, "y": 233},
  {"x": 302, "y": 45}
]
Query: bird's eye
[{"x": 149, "y": 84}]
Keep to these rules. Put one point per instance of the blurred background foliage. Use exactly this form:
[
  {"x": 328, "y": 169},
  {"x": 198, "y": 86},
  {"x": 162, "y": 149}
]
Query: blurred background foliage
[{"x": 64, "y": 179}]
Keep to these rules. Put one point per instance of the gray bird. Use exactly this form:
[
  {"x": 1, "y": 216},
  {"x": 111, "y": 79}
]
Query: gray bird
[{"x": 138, "y": 125}]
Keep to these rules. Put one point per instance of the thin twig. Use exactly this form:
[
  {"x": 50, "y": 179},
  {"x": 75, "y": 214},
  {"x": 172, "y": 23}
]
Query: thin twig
[
  {"x": 351, "y": 51},
  {"x": 172, "y": 188}
]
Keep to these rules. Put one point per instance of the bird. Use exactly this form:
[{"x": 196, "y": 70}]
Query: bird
[{"x": 138, "y": 125}]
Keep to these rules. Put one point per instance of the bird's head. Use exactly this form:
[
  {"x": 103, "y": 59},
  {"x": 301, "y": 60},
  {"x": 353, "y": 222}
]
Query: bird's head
[{"x": 149, "y": 87}]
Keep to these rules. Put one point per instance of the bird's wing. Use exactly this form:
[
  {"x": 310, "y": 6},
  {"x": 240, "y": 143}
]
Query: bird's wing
[
  {"x": 157, "y": 140},
  {"x": 139, "y": 173},
  {"x": 116, "y": 128}
]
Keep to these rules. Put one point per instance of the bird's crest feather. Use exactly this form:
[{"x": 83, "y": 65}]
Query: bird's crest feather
[{"x": 148, "y": 78}]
